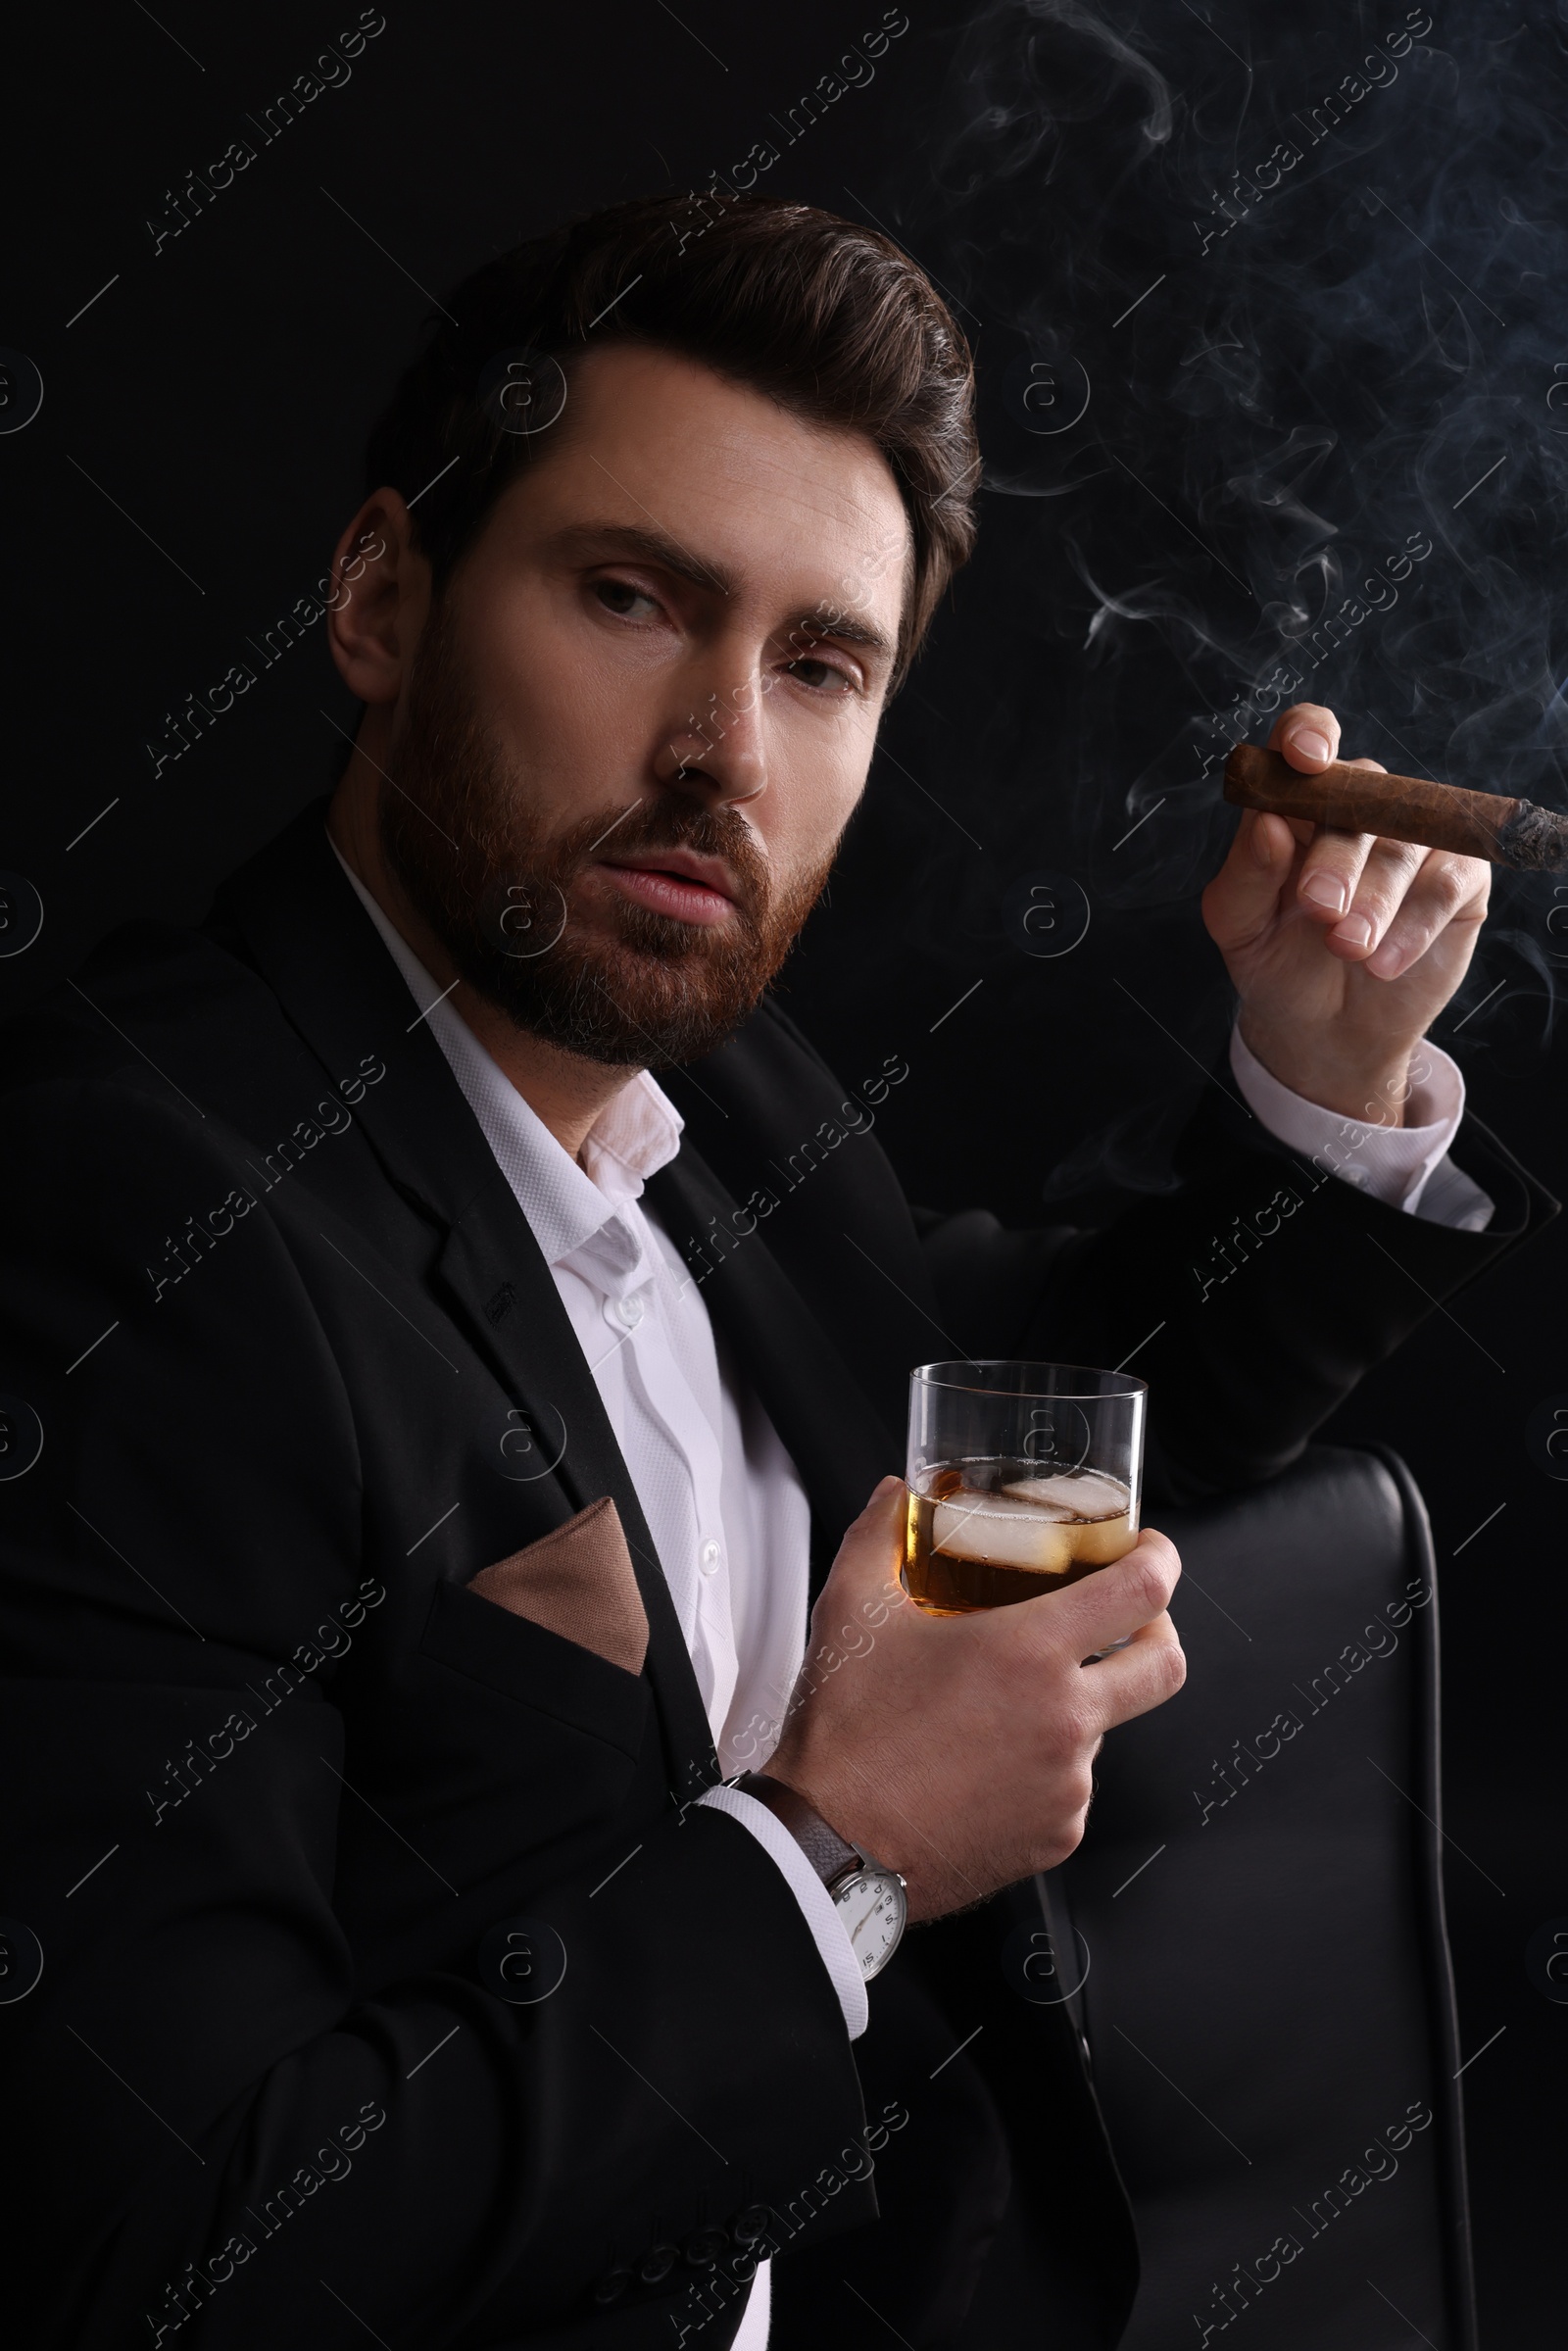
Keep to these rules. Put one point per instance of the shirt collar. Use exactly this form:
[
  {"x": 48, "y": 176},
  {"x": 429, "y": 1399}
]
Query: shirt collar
[{"x": 567, "y": 1204}]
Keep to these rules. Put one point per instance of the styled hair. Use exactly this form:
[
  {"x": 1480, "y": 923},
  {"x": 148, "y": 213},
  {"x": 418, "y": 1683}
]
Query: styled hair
[{"x": 829, "y": 319}]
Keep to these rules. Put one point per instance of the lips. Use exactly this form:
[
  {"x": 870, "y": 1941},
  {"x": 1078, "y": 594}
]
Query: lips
[{"x": 676, "y": 882}]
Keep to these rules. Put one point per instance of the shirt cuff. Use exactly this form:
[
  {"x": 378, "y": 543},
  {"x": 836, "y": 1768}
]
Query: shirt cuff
[
  {"x": 1406, "y": 1167},
  {"x": 828, "y": 1931}
]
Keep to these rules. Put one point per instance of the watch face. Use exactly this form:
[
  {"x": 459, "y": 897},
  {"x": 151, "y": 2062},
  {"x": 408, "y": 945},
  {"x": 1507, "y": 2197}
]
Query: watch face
[{"x": 872, "y": 1906}]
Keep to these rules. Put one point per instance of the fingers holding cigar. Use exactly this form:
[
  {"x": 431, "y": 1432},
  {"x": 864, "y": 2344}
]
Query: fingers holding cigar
[
  {"x": 1446, "y": 893},
  {"x": 1308, "y": 736},
  {"x": 1365, "y": 886},
  {"x": 1348, "y": 905},
  {"x": 1381, "y": 897},
  {"x": 1353, "y": 883}
]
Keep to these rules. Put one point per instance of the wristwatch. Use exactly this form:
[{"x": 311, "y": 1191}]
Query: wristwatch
[{"x": 868, "y": 1898}]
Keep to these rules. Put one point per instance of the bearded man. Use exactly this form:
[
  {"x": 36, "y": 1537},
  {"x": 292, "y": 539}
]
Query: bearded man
[{"x": 461, "y": 1919}]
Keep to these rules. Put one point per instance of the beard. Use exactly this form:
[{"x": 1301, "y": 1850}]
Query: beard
[{"x": 638, "y": 988}]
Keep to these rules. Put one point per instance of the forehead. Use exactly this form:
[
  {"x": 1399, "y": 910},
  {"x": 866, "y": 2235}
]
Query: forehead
[{"x": 788, "y": 511}]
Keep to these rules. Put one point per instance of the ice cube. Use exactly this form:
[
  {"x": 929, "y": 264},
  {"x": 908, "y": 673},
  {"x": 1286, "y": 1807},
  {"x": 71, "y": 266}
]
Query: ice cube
[
  {"x": 1081, "y": 1494},
  {"x": 973, "y": 1524}
]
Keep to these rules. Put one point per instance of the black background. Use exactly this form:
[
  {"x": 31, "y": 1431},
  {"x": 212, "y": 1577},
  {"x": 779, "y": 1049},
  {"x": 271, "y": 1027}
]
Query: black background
[{"x": 1312, "y": 373}]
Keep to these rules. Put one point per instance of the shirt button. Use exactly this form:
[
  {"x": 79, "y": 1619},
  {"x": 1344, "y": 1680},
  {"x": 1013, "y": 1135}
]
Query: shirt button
[
  {"x": 630, "y": 1311},
  {"x": 709, "y": 1557}
]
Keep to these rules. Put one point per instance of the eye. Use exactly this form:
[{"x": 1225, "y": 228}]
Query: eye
[
  {"x": 620, "y": 597},
  {"x": 822, "y": 678}
]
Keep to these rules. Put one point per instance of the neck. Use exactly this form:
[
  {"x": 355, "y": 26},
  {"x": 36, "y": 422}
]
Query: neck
[{"x": 561, "y": 1089}]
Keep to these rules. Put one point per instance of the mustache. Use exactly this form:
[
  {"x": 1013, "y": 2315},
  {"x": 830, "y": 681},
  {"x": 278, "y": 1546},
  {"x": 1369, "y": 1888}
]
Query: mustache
[{"x": 647, "y": 826}]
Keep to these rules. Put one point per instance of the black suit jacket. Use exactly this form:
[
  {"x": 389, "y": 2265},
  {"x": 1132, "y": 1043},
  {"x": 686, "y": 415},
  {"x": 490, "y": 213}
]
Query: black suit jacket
[{"x": 297, "y": 1370}]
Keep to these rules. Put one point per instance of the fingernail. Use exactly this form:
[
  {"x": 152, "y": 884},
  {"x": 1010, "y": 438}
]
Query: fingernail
[
  {"x": 1386, "y": 962},
  {"x": 1311, "y": 744},
  {"x": 1355, "y": 930},
  {"x": 1326, "y": 890}
]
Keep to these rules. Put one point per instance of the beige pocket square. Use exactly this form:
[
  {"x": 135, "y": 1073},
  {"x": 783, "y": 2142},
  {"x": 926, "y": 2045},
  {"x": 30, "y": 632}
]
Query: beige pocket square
[{"x": 578, "y": 1581}]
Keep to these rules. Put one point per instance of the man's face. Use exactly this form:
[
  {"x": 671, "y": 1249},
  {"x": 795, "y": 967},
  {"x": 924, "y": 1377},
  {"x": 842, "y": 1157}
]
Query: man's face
[{"x": 643, "y": 711}]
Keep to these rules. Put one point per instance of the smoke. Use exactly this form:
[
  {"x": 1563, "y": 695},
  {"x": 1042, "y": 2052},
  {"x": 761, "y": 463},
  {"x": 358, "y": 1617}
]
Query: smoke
[{"x": 1274, "y": 406}]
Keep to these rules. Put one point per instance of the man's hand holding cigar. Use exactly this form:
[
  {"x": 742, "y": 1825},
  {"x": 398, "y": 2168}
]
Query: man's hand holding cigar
[{"x": 1344, "y": 947}]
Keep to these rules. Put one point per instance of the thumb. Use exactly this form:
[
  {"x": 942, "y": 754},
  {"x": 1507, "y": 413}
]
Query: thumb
[{"x": 1244, "y": 897}]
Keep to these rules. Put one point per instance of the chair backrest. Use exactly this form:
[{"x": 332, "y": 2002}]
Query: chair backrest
[{"x": 1259, "y": 1901}]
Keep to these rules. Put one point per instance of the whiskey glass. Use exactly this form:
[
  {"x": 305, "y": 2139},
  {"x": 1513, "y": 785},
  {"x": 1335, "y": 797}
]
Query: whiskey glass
[{"x": 1022, "y": 1478}]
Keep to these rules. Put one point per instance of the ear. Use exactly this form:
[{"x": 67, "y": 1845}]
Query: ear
[{"x": 380, "y": 597}]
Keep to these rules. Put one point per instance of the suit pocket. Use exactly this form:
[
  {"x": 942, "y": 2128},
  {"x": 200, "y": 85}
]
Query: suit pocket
[{"x": 535, "y": 1667}]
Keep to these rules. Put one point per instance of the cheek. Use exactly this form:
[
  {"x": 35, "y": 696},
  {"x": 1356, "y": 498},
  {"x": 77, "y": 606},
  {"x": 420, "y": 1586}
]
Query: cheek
[
  {"x": 813, "y": 790},
  {"x": 569, "y": 725}
]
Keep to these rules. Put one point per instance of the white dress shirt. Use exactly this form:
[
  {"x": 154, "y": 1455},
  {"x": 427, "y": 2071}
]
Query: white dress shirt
[
  {"x": 723, "y": 1503},
  {"x": 1406, "y": 1166}
]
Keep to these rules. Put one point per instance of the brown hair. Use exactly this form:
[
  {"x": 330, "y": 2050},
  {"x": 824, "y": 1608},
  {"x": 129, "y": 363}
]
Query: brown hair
[{"x": 827, "y": 318}]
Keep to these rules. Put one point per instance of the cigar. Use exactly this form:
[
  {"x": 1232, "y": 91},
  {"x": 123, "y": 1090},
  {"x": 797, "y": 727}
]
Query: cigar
[{"x": 1404, "y": 808}]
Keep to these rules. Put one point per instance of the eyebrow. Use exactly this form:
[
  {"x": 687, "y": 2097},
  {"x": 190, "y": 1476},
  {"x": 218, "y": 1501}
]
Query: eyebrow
[
  {"x": 656, "y": 547},
  {"x": 853, "y": 632}
]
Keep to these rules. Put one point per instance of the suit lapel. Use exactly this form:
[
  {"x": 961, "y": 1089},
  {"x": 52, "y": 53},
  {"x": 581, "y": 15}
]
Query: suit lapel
[{"x": 305, "y": 930}]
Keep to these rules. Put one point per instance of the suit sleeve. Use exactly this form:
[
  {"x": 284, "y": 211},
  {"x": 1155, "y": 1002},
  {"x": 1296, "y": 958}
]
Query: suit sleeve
[
  {"x": 217, "y": 2136},
  {"x": 1251, "y": 1295}
]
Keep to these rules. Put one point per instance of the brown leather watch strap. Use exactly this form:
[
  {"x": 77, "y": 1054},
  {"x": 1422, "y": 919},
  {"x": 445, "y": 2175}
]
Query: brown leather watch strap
[{"x": 827, "y": 1852}]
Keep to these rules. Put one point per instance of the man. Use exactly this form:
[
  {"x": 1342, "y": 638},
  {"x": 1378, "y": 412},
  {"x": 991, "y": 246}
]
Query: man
[{"x": 429, "y": 1428}]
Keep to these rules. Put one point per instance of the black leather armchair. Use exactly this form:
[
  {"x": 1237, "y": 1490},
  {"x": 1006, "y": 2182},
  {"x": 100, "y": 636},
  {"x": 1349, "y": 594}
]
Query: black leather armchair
[
  {"x": 1258, "y": 1953},
  {"x": 1250, "y": 1945}
]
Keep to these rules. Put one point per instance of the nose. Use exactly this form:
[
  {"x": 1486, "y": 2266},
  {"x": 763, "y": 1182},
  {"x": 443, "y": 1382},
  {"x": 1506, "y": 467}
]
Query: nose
[{"x": 716, "y": 748}]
